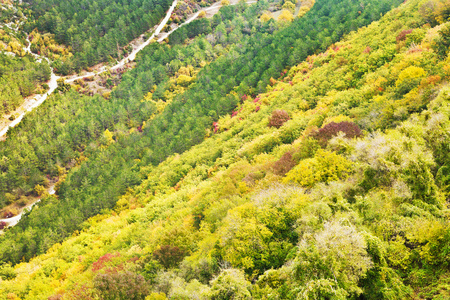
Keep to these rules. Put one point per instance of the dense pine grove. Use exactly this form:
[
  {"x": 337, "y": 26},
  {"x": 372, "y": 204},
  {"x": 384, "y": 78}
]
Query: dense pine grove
[
  {"x": 96, "y": 31},
  {"x": 244, "y": 158},
  {"x": 20, "y": 78}
]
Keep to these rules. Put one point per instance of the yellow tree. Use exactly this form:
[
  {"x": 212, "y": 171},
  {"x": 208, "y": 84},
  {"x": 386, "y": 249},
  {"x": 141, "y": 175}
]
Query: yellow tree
[
  {"x": 286, "y": 16},
  {"x": 288, "y": 5},
  {"x": 265, "y": 17},
  {"x": 325, "y": 166}
]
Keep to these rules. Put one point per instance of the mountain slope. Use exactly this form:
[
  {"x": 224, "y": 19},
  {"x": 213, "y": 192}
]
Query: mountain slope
[
  {"x": 289, "y": 207},
  {"x": 109, "y": 133}
]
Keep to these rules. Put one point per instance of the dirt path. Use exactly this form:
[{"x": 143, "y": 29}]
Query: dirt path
[
  {"x": 10, "y": 222},
  {"x": 31, "y": 102},
  {"x": 36, "y": 100},
  {"x": 210, "y": 12},
  {"x": 133, "y": 54}
]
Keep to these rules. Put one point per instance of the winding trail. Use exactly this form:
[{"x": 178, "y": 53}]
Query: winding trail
[
  {"x": 37, "y": 100},
  {"x": 133, "y": 54},
  {"x": 10, "y": 222}
]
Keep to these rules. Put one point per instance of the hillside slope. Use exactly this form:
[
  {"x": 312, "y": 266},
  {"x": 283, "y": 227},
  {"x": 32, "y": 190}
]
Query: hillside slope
[
  {"x": 178, "y": 91},
  {"x": 332, "y": 184}
]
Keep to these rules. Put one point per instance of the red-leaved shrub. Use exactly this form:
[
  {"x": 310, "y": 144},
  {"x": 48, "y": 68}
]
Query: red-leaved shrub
[
  {"x": 324, "y": 134},
  {"x": 284, "y": 164},
  {"x": 103, "y": 261},
  {"x": 402, "y": 35},
  {"x": 278, "y": 118}
]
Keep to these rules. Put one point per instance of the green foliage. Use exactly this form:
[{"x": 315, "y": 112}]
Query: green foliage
[
  {"x": 19, "y": 78},
  {"x": 331, "y": 261},
  {"x": 7, "y": 272},
  {"x": 230, "y": 284},
  {"x": 94, "y": 31},
  {"x": 442, "y": 43},
  {"x": 288, "y": 5},
  {"x": 278, "y": 118}
]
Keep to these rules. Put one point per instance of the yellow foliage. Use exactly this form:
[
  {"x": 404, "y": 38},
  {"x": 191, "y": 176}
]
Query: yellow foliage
[
  {"x": 185, "y": 70},
  {"x": 265, "y": 17},
  {"x": 39, "y": 189},
  {"x": 288, "y": 5},
  {"x": 286, "y": 16},
  {"x": 337, "y": 119},
  {"x": 412, "y": 72},
  {"x": 15, "y": 47},
  {"x": 148, "y": 97},
  {"x": 202, "y": 14},
  {"x": 107, "y": 95},
  {"x": 108, "y": 136},
  {"x": 156, "y": 296},
  {"x": 325, "y": 166},
  {"x": 184, "y": 80},
  {"x": 225, "y": 2},
  {"x": 12, "y": 296}
]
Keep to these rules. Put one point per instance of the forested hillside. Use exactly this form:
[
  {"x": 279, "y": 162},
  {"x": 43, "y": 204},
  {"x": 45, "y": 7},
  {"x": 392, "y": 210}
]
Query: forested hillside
[
  {"x": 259, "y": 159},
  {"x": 96, "y": 31},
  {"x": 20, "y": 78},
  {"x": 20, "y": 75},
  {"x": 97, "y": 183}
]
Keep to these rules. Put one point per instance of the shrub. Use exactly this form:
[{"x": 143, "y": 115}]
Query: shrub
[
  {"x": 288, "y": 5},
  {"x": 442, "y": 43},
  {"x": 286, "y": 16},
  {"x": 168, "y": 256},
  {"x": 324, "y": 134},
  {"x": 265, "y": 17},
  {"x": 284, "y": 164},
  {"x": 120, "y": 286},
  {"x": 408, "y": 79},
  {"x": 230, "y": 284},
  {"x": 331, "y": 262},
  {"x": 7, "y": 272},
  {"x": 184, "y": 80},
  {"x": 278, "y": 118},
  {"x": 402, "y": 35}
]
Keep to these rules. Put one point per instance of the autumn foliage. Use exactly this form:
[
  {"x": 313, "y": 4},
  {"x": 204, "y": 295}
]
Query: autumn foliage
[
  {"x": 121, "y": 286},
  {"x": 324, "y": 134},
  {"x": 168, "y": 256},
  {"x": 278, "y": 118}
]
